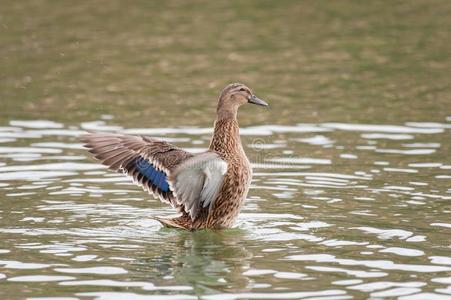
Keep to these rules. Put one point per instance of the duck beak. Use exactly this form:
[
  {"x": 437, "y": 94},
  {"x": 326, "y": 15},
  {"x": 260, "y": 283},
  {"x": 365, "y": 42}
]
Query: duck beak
[{"x": 254, "y": 100}]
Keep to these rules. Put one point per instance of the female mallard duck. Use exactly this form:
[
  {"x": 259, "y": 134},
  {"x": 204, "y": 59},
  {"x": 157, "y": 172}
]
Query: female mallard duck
[{"x": 209, "y": 188}]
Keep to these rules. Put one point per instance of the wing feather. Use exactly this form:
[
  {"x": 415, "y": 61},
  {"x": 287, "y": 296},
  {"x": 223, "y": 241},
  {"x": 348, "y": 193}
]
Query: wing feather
[
  {"x": 197, "y": 182},
  {"x": 188, "y": 182},
  {"x": 126, "y": 154}
]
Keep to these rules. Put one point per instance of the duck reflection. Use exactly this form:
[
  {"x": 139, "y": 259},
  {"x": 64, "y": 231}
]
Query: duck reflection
[{"x": 205, "y": 260}]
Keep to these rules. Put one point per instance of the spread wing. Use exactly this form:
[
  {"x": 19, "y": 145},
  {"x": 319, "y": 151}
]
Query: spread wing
[{"x": 188, "y": 182}]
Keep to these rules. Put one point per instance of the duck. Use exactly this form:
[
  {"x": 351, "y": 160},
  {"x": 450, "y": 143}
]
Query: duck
[{"x": 206, "y": 189}]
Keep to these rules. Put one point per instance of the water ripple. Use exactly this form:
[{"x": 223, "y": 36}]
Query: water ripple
[{"x": 356, "y": 206}]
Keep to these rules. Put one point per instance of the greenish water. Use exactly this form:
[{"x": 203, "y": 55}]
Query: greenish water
[{"x": 352, "y": 165}]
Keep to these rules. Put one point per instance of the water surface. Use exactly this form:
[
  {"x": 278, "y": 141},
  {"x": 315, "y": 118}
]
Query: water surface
[{"x": 351, "y": 191}]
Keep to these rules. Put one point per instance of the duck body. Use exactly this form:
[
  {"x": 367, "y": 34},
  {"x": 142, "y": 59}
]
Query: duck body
[
  {"x": 235, "y": 186},
  {"x": 207, "y": 189}
]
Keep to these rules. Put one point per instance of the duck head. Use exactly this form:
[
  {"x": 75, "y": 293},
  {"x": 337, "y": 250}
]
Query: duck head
[{"x": 233, "y": 96}]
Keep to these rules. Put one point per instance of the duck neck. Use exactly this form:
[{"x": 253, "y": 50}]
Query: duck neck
[{"x": 226, "y": 136}]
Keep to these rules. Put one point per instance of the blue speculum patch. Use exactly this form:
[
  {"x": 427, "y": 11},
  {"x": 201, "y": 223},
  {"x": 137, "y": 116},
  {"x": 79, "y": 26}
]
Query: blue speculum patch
[{"x": 156, "y": 177}]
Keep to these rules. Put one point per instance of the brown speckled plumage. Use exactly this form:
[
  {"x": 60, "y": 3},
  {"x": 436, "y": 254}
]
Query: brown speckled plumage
[{"x": 207, "y": 189}]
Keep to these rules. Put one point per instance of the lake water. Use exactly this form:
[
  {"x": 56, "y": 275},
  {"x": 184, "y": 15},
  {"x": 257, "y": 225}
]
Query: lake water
[{"x": 351, "y": 195}]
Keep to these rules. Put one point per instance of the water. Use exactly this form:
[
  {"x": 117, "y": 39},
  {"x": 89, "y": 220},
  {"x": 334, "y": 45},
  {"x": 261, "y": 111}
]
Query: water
[{"x": 351, "y": 192}]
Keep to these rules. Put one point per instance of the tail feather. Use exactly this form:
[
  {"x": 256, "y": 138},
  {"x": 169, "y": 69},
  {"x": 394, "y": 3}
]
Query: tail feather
[{"x": 171, "y": 222}]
